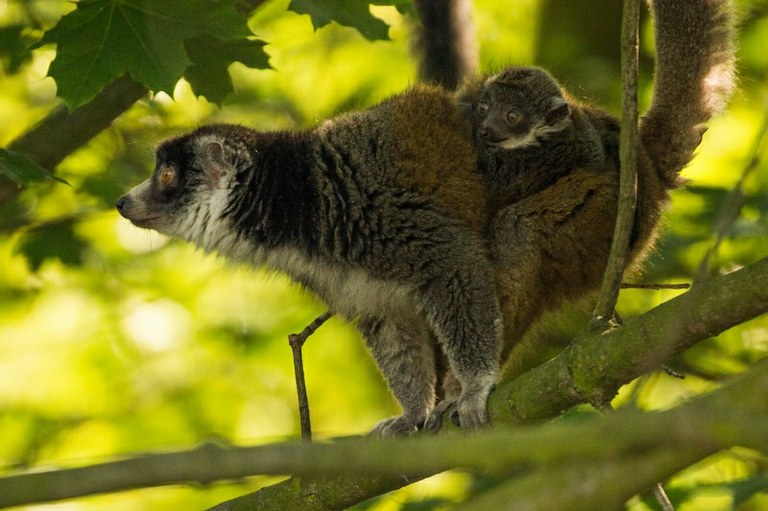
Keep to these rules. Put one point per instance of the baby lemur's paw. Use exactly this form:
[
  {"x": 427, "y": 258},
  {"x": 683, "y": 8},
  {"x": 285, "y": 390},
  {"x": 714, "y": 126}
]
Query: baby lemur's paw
[
  {"x": 469, "y": 411},
  {"x": 435, "y": 419},
  {"x": 397, "y": 426}
]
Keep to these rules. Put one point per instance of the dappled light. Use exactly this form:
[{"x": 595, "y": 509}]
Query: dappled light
[{"x": 116, "y": 340}]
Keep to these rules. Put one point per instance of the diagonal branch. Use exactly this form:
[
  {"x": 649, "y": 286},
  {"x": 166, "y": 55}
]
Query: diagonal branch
[
  {"x": 733, "y": 415},
  {"x": 733, "y": 204},
  {"x": 594, "y": 367},
  {"x": 62, "y": 131}
]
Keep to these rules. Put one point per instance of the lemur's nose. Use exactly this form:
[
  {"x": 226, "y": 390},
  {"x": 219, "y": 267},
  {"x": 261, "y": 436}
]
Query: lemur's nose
[{"x": 121, "y": 203}]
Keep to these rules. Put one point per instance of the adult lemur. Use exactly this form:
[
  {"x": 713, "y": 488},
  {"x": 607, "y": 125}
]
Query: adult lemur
[
  {"x": 384, "y": 215},
  {"x": 551, "y": 163},
  {"x": 378, "y": 212}
]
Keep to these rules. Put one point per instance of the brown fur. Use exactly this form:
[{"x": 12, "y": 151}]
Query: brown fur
[
  {"x": 447, "y": 169},
  {"x": 555, "y": 195}
]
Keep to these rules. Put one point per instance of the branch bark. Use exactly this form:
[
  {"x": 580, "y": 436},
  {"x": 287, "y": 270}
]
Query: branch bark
[{"x": 594, "y": 365}]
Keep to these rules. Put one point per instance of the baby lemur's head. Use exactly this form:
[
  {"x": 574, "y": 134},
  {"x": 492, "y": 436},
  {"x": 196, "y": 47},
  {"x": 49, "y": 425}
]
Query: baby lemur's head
[
  {"x": 188, "y": 193},
  {"x": 516, "y": 108}
]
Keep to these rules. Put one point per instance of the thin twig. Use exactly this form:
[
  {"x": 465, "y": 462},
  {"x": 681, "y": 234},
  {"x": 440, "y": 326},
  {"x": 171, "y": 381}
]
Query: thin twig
[
  {"x": 614, "y": 271},
  {"x": 297, "y": 342},
  {"x": 606, "y": 408},
  {"x": 656, "y": 287},
  {"x": 734, "y": 202},
  {"x": 661, "y": 498},
  {"x": 671, "y": 372}
]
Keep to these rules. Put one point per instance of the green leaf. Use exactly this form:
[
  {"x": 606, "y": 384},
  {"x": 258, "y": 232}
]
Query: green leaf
[
  {"x": 22, "y": 170},
  {"x": 212, "y": 56},
  {"x": 53, "y": 241},
  {"x": 350, "y": 13},
  {"x": 102, "y": 39}
]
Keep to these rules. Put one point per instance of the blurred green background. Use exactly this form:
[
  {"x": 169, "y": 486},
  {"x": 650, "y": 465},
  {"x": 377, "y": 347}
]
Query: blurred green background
[{"x": 115, "y": 340}]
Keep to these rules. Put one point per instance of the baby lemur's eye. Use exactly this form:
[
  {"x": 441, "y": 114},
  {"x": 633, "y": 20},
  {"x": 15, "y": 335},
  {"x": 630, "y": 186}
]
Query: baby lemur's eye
[
  {"x": 482, "y": 107},
  {"x": 514, "y": 117},
  {"x": 166, "y": 175}
]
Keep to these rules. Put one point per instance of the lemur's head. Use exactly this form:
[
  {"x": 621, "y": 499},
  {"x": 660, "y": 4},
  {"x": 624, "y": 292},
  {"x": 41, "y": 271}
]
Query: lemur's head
[
  {"x": 188, "y": 193},
  {"x": 518, "y": 107}
]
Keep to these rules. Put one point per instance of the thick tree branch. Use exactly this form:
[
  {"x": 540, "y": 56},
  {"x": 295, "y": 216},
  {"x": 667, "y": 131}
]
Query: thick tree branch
[
  {"x": 593, "y": 368},
  {"x": 594, "y": 365},
  {"x": 62, "y": 131},
  {"x": 669, "y": 329},
  {"x": 585, "y": 485},
  {"x": 733, "y": 415}
]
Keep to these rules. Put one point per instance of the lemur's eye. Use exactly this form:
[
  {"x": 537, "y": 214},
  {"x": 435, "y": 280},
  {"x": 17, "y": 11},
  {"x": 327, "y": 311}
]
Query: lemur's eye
[
  {"x": 482, "y": 107},
  {"x": 166, "y": 175},
  {"x": 514, "y": 117}
]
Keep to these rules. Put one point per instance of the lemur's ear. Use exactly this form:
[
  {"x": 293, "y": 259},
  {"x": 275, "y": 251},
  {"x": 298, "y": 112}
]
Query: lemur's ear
[
  {"x": 467, "y": 109},
  {"x": 215, "y": 163},
  {"x": 558, "y": 110},
  {"x": 467, "y": 99}
]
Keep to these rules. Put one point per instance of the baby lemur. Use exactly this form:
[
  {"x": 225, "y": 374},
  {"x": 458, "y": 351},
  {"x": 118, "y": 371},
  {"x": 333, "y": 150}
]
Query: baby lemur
[
  {"x": 379, "y": 213},
  {"x": 384, "y": 214},
  {"x": 552, "y": 163}
]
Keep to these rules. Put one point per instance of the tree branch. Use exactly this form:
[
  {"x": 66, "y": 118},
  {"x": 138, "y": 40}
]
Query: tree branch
[
  {"x": 603, "y": 484},
  {"x": 592, "y": 368},
  {"x": 296, "y": 341},
  {"x": 61, "y": 132},
  {"x": 617, "y": 260},
  {"x": 446, "y": 41},
  {"x": 699, "y": 428},
  {"x": 594, "y": 365}
]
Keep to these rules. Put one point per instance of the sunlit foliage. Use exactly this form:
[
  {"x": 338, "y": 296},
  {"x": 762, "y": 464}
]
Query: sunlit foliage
[{"x": 114, "y": 340}]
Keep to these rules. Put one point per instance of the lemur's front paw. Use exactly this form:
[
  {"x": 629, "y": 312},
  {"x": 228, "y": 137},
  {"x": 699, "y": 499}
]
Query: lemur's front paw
[{"x": 397, "y": 426}]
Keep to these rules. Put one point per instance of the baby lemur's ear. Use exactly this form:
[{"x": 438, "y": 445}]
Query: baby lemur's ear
[
  {"x": 467, "y": 108},
  {"x": 558, "y": 110},
  {"x": 466, "y": 101},
  {"x": 215, "y": 163}
]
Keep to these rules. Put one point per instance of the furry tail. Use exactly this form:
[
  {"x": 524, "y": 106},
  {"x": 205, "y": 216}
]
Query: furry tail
[{"x": 694, "y": 77}]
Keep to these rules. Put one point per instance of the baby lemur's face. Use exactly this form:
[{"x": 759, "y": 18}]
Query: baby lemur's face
[
  {"x": 187, "y": 194},
  {"x": 519, "y": 107}
]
